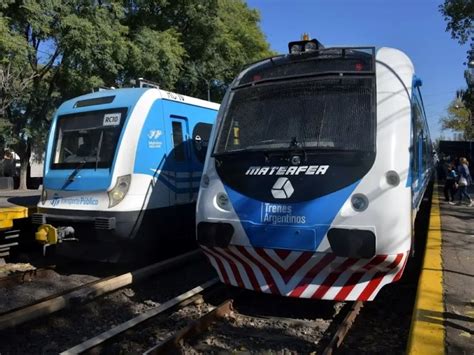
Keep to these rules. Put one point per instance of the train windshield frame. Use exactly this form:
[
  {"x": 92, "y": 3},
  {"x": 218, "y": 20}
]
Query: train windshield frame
[
  {"x": 88, "y": 139},
  {"x": 316, "y": 103}
]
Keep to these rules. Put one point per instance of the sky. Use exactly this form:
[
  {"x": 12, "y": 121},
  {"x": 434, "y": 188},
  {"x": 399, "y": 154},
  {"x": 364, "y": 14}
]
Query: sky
[{"x": 414, "y": 26}]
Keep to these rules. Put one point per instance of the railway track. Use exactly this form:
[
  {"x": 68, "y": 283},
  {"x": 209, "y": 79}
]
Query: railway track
[
  {"x": 95, "y": 343},
  {"x": 225, "y": 311},
  {"x": 184, "y": 323},
  {"x": 180, "y": 325},
  {"x": 172, "y": 343},
  {"x": 343, "y": 328},
  {"x": 84, "y": 293}
]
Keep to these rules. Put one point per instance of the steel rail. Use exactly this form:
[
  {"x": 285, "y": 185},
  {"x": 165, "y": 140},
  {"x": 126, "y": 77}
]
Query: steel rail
[
  {"x": 182, "y": 300},
  {"x": 171, "y": 344},
  {"x": 343, "y": 328},
  {"x": 89, "y": 291}
]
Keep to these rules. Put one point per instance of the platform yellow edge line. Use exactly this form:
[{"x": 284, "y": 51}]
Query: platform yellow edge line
[{"x": 427, "y": 326}]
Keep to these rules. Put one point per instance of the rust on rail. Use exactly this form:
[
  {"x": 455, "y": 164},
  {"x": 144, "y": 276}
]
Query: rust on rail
[
  {"x": 194, "y": 328},
  {"x": 343, "y": 328}
]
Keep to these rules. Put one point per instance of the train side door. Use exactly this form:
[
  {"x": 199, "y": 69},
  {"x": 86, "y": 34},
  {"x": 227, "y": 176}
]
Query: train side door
[{"x": 181, "y": 160}]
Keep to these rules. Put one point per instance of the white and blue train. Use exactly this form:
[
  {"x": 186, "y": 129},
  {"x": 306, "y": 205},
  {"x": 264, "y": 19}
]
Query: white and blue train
[
  {"x": 122, "y": 168},
  {"x": 318, "y": 165}
]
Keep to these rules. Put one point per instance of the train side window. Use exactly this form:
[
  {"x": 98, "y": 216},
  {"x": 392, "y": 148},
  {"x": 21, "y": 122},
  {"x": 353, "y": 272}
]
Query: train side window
[
  {"x": 417, "y": 132},
  {"x": 426, "y": 152},
  {"x": 201, "y": 134},
  {"x": 420, "y": 139},
  {"x": 178, "y": 142}
]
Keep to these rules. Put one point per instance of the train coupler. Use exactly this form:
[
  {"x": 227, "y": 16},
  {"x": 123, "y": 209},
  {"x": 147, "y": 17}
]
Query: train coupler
[{"x": 49, "y": 235}]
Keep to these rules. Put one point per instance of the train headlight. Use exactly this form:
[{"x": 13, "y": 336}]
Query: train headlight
[
  {"x": 305, "y": 45},
  {"x": 118, "y": 195},
  {"x": 392, "y": 177},
  {"x": 296, "y": 48},
  {"x": 310, "y": 46},
  {"x": 359, "y": 202},
  {"x": 120, "y": 189},
  {"x": 222, "y": 200}
]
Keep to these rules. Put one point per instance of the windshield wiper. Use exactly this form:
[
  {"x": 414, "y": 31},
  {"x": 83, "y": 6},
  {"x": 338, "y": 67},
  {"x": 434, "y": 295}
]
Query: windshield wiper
[
  {"x": 260, "y": 147},
  {"x": 236, "y": 151},
  {"x": 268, "y": 142},
  {"x": 72, "y": 177},
  {"x": 98, "y": 150}
]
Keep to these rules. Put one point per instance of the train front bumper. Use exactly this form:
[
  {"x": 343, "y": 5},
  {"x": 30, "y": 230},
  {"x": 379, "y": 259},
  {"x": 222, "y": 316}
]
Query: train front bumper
[
  {"x": 90, "y": 225},
  {"x": 305, "y": 274}
]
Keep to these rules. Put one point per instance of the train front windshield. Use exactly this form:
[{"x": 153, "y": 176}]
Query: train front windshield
[
  {"x": 328, "y": 112},
  {"x": 87, "y": 138}
]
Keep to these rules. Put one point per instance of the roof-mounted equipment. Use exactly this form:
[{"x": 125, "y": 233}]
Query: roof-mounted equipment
[
  {"x": 305, "y": 45},
  {"x": 144, "y": 83}
]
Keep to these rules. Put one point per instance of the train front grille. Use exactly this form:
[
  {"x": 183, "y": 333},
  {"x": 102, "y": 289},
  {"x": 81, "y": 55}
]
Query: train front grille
[{"x": 104, "y": 223}]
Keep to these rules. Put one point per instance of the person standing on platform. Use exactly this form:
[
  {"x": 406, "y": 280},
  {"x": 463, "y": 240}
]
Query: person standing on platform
[
  {"x": 8, "y": 164},
  {"x": 464, "y": 180},
  {"x": 450, "y": 185}
]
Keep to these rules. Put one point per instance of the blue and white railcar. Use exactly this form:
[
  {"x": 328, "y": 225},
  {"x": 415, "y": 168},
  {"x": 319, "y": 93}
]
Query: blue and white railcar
[
  {"x": 319, "y": 162},
  {"x": 122, "y": 168}
]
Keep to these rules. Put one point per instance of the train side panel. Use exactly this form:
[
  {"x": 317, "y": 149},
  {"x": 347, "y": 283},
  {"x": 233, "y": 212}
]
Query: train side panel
[{"x": 389, "y": 209}]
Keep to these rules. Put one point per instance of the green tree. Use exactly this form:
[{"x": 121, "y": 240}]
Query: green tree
[
  {"x": 218, "y": 37},
  {"x": 459, "y": 15},
  {"x": 53, "y": 50},
  {"x": 459, "y": 119},
  {"x": 56, "y": 42}
]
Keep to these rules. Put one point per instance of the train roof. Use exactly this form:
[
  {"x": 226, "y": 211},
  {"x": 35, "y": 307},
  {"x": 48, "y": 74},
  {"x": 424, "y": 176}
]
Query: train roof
[
  {"x": 368, "y": 58},
  {"x": 394, "y": 59},
  {"x": 128, "y": 97}
]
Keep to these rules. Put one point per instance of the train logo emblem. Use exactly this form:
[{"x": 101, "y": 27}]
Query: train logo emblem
[
  {"x": 154, "y": 134},
  {"x": 282, "y": 188}
]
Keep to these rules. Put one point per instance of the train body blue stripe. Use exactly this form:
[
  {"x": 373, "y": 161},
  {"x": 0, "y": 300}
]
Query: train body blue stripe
[{"x": 295, "y": 226}]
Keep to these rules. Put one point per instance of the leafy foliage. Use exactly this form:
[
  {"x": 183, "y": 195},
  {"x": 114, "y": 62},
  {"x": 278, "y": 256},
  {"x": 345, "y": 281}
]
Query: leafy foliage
[
  {"x": 459, "y": 15},
  {"x": 53, "y": 50},
  {"x": 157, "y": 55},
  {"x": 459, "y": 119}
]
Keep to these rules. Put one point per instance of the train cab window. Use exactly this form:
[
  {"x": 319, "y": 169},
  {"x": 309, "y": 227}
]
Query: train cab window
[
  {"x": 178, "y": 141},
  {"x": 317, "y": 114},
  {"x": 89, "y": 138}
]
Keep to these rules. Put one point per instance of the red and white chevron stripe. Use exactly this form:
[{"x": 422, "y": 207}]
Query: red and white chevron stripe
[{"x": 305, "y": 274}]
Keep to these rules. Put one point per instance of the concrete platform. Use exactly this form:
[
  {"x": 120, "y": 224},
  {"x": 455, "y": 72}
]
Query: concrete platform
[{"x": 443, "y": 318}]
